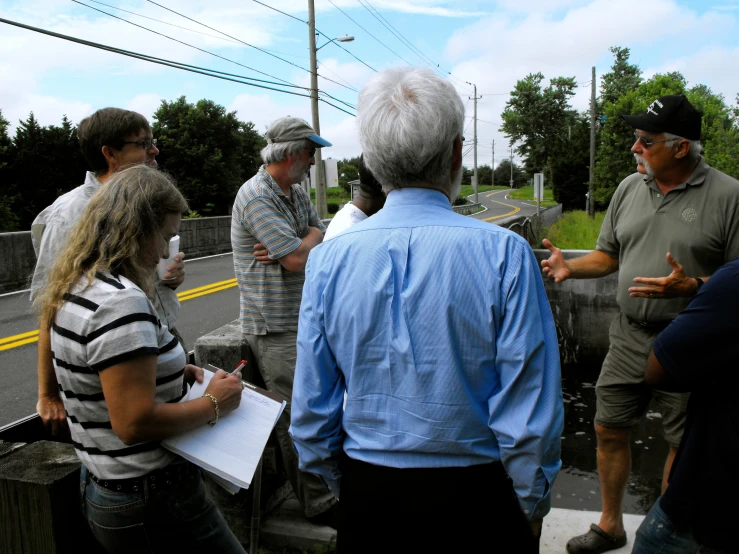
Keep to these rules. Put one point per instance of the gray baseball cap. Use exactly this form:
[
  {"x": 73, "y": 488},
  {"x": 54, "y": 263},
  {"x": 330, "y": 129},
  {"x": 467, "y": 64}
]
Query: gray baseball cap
[{"x": 288, "y": 128}]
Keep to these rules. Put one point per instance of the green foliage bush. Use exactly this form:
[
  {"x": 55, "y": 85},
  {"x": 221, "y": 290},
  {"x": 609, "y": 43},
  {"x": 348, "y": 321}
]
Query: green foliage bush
[
  {"x": 575, "y": 231},
  {"x": 332, "y": 207}
]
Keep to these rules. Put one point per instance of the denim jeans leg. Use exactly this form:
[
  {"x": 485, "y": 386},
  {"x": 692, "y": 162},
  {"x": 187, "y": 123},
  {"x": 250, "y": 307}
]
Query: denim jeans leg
[
  {"x": 180, "y": 518},
  {"x": 658, "y": 535}
]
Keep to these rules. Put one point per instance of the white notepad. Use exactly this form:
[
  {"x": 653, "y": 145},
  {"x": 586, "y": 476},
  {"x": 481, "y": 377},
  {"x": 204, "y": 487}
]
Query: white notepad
[{"x": 231, "y": 449}]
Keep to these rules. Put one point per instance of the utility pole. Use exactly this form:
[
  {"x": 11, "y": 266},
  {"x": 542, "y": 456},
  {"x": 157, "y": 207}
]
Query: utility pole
[
  {"x": 591, "y": 187},
  {"x": 321, "y": 207},
  {"x": 511, "y": 166},
  {"x": 493, "y": 165},
  {"x": 474, "y": 144}
]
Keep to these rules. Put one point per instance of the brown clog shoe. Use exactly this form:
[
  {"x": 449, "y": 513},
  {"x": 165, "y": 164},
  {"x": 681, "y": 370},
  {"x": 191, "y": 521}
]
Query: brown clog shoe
[{"x": 595, "y": 541}]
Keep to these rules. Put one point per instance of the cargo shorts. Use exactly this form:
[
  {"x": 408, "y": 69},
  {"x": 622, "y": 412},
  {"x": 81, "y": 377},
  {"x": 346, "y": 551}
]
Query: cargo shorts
[{"x": 622, "y": 396}]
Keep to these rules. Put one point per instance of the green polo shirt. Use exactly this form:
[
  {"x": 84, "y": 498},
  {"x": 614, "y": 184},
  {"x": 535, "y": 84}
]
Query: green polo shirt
[{"x": 697, "y": 221}]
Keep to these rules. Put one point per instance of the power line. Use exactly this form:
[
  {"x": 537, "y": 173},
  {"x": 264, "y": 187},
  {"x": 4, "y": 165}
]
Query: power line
[
  {"x": 366, "y": 31},
  {"x": 176, "y": 65},
  {"x": 241, "y": 41},
  {"x": 389, "y": 26},
  {"x": 305, "y": 22},
  {"x": 324, "y": 66},
  {"x": 181, "y": 42},
  {"x": 227, "y": 35}
]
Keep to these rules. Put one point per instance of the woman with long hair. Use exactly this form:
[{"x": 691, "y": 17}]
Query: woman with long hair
[{"x": 121, "y": 374}]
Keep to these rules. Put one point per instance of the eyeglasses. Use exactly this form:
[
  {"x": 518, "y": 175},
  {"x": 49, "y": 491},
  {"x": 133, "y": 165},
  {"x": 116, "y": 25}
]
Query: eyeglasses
[
  {"x": 146, "y": 144},
  {"x": 648, "y": 143},
  {"x": 311, "y": 151}
]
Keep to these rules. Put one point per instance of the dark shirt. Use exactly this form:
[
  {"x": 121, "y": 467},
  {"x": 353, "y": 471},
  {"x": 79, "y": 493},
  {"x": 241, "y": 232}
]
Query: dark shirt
[{"x": 699, "y": 351}]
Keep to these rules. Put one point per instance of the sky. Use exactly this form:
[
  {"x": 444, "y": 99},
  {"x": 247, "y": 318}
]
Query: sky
[{"x": 489, "y": 43}]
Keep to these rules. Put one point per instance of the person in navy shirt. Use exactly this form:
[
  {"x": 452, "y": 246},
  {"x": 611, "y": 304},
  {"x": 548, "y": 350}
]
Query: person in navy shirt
[{"x": 698, "y": 353}]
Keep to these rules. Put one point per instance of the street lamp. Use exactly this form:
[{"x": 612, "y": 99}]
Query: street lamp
[
  {"x": 321, "y": 206},
  {"x": 345, "y": 38}
]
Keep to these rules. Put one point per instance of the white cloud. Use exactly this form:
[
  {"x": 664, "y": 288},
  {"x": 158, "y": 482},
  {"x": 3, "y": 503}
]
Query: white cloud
[{"x": 145, "y": 104}]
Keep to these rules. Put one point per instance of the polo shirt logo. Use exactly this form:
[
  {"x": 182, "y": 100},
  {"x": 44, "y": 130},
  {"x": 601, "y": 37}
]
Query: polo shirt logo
[{"x": 689, "y": 214}]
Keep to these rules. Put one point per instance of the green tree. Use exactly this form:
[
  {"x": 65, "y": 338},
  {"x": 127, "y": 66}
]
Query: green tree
[
  {"x": 207, "y": 150},
  {"x": 9, "y": 221},
  {"x": 719, "y": 130},
  {"x": 622, "y": 78},
  {"x": 44, "y": 162},
  {"x": 347, "y": 173},
  {"x": 503, "y": 175},
  {"x": 614, "y": 160},
  {"x": 570, "y": 169},
  {"x": 538, "y": 119}
]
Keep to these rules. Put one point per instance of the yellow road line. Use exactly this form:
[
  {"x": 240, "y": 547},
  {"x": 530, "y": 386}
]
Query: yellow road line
[
  {"x": 209, "y": 291},
  {"x": 19, "y": 337},
  {"x": 184, "y": 293},
  {"x": 32, "y": 336},
  {"x": 515, "y": 210},
  {"x": 19, "y": 343}
]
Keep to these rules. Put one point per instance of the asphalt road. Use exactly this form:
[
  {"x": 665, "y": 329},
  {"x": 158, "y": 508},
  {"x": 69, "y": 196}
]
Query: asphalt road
[
  {"x": 209, "y": 299},
  {"x": 499, "y": 207}
]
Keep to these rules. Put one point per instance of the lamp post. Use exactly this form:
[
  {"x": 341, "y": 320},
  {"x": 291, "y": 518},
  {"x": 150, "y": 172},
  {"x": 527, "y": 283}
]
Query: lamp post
[{"x": 321, "y": 207}]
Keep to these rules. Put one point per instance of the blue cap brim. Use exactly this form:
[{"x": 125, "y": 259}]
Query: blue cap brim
[{"x": 321, "y": 142}]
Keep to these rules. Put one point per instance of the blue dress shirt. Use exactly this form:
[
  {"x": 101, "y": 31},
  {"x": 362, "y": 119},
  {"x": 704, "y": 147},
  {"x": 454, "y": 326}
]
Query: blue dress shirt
[{"x": 438, "y": 329}]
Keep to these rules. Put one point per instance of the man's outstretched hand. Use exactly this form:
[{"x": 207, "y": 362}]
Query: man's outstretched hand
[
  {"x": 675, "y": 285},
  {"x": 555, "y": 267}
]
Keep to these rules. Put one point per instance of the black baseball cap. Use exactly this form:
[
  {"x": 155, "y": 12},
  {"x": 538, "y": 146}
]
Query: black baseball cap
[{"x": 669, "y": 114}]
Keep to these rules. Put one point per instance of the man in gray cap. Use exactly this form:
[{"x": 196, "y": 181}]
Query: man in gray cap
[
  {"x": 674, "y": 206},
  {"x": 274, "y": 227}
]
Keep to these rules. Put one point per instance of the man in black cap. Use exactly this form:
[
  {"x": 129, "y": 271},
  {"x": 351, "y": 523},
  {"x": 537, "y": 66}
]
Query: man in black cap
[
  {"x": 274, "y": 227},
  {"x": 674, "y": 206}
]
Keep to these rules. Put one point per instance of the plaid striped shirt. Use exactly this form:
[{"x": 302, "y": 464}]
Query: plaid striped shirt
[{"x": 270, "y": 295}]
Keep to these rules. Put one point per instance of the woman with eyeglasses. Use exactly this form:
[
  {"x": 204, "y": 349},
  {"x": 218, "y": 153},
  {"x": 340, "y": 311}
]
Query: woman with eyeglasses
[{"x": 121, "y": 374}]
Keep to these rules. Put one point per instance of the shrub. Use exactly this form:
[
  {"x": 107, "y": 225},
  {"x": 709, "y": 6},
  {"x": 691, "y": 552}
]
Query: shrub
[{"x": 332, "y": 207}]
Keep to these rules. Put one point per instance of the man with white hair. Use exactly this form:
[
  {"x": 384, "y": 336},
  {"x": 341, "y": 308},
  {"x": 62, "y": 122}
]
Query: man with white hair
[
  {"x": 674, "y": 210},
  {"x": 274, "y": 227},
  {"x": 438, "y": 329}
]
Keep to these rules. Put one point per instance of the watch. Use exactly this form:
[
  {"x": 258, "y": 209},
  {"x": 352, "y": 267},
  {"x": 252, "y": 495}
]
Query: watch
[{"x": 699, "y": 283}]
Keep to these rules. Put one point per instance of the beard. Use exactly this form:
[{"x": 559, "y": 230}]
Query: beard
[
  {"x": 299, "y": 171},
  {"x": 647, "y": 168}
]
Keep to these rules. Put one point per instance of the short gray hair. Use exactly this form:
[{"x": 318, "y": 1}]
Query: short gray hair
[
  {"x": 695, "y": 145},
  {"x": 408, "y": 120},
  {"x": 277, "y": 151}
]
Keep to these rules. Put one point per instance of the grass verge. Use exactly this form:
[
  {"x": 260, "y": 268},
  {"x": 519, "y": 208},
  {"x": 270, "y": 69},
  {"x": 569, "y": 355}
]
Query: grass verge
[
  {"x": 527, "y": 193},
  {"x": 575, "y": 231}
]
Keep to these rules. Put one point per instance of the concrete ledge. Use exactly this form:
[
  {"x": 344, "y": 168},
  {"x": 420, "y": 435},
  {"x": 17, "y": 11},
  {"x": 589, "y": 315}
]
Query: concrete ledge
[{"x": 467, "y": 209}]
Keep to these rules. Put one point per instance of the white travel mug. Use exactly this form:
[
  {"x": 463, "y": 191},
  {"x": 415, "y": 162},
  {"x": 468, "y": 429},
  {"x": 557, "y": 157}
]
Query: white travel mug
[{"x": 174, "y": 249}]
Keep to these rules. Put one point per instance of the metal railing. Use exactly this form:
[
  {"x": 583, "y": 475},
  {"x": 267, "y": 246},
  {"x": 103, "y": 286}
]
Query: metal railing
[{"x": 527, "y": 229}]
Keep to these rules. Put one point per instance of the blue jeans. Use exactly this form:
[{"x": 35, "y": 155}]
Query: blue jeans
[
  {"x": 658, "y": 535},
  {"x": 177, "y": 519}
]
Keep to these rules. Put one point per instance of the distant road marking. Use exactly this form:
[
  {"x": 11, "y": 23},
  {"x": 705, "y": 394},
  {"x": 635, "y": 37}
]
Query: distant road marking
[
  {"x": 515, "y": 210},
  {"x": 32, "y": 336}
]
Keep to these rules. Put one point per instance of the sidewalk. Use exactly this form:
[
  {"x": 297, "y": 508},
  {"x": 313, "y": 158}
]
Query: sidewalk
[{"x": 286, "y": 527}]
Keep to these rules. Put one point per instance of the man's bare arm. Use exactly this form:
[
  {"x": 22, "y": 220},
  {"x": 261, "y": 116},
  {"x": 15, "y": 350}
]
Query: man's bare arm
[
  {"x": 295, "y": 260},
  {"x": 590, "y": 266}
]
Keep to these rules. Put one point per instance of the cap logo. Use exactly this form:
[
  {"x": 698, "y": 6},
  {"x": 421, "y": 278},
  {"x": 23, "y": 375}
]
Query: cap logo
[{"x": 650, "y": 109}]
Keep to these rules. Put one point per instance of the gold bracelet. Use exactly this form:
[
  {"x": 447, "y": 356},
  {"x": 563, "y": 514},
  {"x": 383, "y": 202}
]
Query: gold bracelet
[{"x": 215, "y": 405}]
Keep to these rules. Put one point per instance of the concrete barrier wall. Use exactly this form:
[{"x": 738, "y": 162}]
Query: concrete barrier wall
[
  {"x": 582, "y": 309},
  {"x": 17, "y": 261},
  {"x": 203, "y": 236}
]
